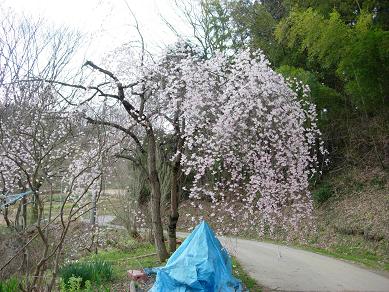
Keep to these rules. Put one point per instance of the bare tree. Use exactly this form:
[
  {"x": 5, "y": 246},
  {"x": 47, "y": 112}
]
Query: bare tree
[{"x": 144, "y": 139}]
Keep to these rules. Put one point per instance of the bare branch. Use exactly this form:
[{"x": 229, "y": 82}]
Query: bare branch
[
  {"x": 104, "y": 71},
  {"x": 139, "y": 32},
  {"x": 116, "y": 126},
  {"x": 133, "y": 160}
]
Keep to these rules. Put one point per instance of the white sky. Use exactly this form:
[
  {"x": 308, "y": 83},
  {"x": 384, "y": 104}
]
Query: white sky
[{"x": 108, "y": 21}]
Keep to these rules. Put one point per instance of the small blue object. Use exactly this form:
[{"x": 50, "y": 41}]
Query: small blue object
[
  {"x": 12, "y": 199},
  {"x": 199, "y": 264}
]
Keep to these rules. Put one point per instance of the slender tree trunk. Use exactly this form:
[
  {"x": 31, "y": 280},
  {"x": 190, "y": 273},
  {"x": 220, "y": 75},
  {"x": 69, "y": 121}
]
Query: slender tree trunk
[
  {"x": 134, "y": 229},
  {"x": 50, "y": 208},
  {"x": 93, "y": 210},
  {"x": 24, "y": 212},
  {"x": 93, "y": 217},
  {"x": 35, "y": 206},
  {"x": 155, "y": 198},
  {"x": 174, "y": 198},
  {"x": 175, "y": 185},
  {"x": 17, "y": 216},
  {"x": 57, "y": 258},
  {"x": 5, "y": 215}
]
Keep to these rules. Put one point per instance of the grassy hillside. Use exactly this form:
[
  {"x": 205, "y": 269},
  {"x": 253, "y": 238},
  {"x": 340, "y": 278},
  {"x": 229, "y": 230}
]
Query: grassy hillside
[
  {"x": 351, "y": 215},
  {"x": 353, "y": 222}
]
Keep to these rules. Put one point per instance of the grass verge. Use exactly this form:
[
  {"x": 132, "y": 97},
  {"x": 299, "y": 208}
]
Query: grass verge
[
  {"x": 352, "y": 254},
  {"x": 242, "y": 275},
  {"x": 142, "y": 255},
  {"x": 349, "y": 248}
]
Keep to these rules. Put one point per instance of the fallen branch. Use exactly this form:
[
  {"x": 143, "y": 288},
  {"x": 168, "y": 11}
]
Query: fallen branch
[{"x": 144, "y": 256}]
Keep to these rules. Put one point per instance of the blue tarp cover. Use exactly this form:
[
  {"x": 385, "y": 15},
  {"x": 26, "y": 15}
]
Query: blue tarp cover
[
  {"x": 12, "y": 199},
  {"x": 199, "y": 264}
]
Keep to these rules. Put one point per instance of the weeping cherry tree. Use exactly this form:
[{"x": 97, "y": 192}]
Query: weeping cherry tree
[{"x": 251, "y": 142}]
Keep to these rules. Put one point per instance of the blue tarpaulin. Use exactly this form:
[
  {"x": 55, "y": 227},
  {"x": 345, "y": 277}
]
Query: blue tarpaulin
[
  {"x": 199, "y": 264},
  {"x": 12, "y": 199}
]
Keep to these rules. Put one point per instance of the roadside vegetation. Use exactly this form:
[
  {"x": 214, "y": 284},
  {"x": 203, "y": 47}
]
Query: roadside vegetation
[
  {"x": 246, "y": 279},
  {"x": 107, "y": 270}
]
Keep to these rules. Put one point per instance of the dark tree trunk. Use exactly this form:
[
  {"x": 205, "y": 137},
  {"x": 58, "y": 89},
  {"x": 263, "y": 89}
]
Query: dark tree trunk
[
  {"x": 155, "y": 197},
  {"x": 93, "y": 211},
  {"x": 174, "y": 215},
  {"x": 17, "y": 217},
  {"x": 24, "y": 212},
  {"x": 5, "y": 215},
  {"x": 35, "y": 207},
  {"x": 175, "y": 185}
]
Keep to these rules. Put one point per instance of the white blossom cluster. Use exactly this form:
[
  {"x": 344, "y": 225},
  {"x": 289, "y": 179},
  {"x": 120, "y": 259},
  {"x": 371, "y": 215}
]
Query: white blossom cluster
[
  {"x": 43, "y": 144},
  {"x": 36, "y": 141},
  {"x": 251, "y": 143}
]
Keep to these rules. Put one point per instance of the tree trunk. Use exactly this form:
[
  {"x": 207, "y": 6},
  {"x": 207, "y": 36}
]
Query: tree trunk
[
  {"x": 175, "y": 185},
  {"x": 93, "y": 210},
  {"x": 174, "y": 198},
  {"x": 24, "y": 212},
  {"x": 57, "y": 258},
  {"x": 155, "y": 198},
  {"x": 17, "y": 217},
  {"x": 35, "y": 208},
  {"x": 50, "y": 209},
  {"x": 5, "y": 215}
]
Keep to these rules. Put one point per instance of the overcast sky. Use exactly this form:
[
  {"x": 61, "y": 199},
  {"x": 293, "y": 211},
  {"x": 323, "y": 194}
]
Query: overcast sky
[{"x": 109, "y": 22}]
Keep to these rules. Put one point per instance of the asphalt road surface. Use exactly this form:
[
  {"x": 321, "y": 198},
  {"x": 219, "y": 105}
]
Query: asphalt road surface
[{"x": 282, "y": 268}]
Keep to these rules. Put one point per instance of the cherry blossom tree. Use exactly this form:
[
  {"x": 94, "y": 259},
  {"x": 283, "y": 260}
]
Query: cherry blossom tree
[
  {"x": 155, "y": 114},
  {"x": 136, "y": 128},
  {"x": 234, "y": 120},
  {"x": 58, "y": 151},
  {"x": 250, "y": 142},
  {"x": 36, "y": 142},
  {"x": 83, "y": 187},
  {"x": 144, "y": 117},
  {"x": 44, "y": 144},
  {"x": 31, "y": 130}
]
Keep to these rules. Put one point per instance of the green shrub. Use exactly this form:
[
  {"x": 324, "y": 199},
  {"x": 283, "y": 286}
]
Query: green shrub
[
  {"x": 96, "y": 271},
  {"x": 322, "y": 193},
  {"x": 74, "y": 285},
  {"x": 102, "y": 270},
  {"x": 10, "y": 285},
  {"x": 76, "y": 270}
]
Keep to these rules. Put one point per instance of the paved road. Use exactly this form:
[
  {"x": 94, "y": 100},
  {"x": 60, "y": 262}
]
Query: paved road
[{"x": 282, "y": 268}]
